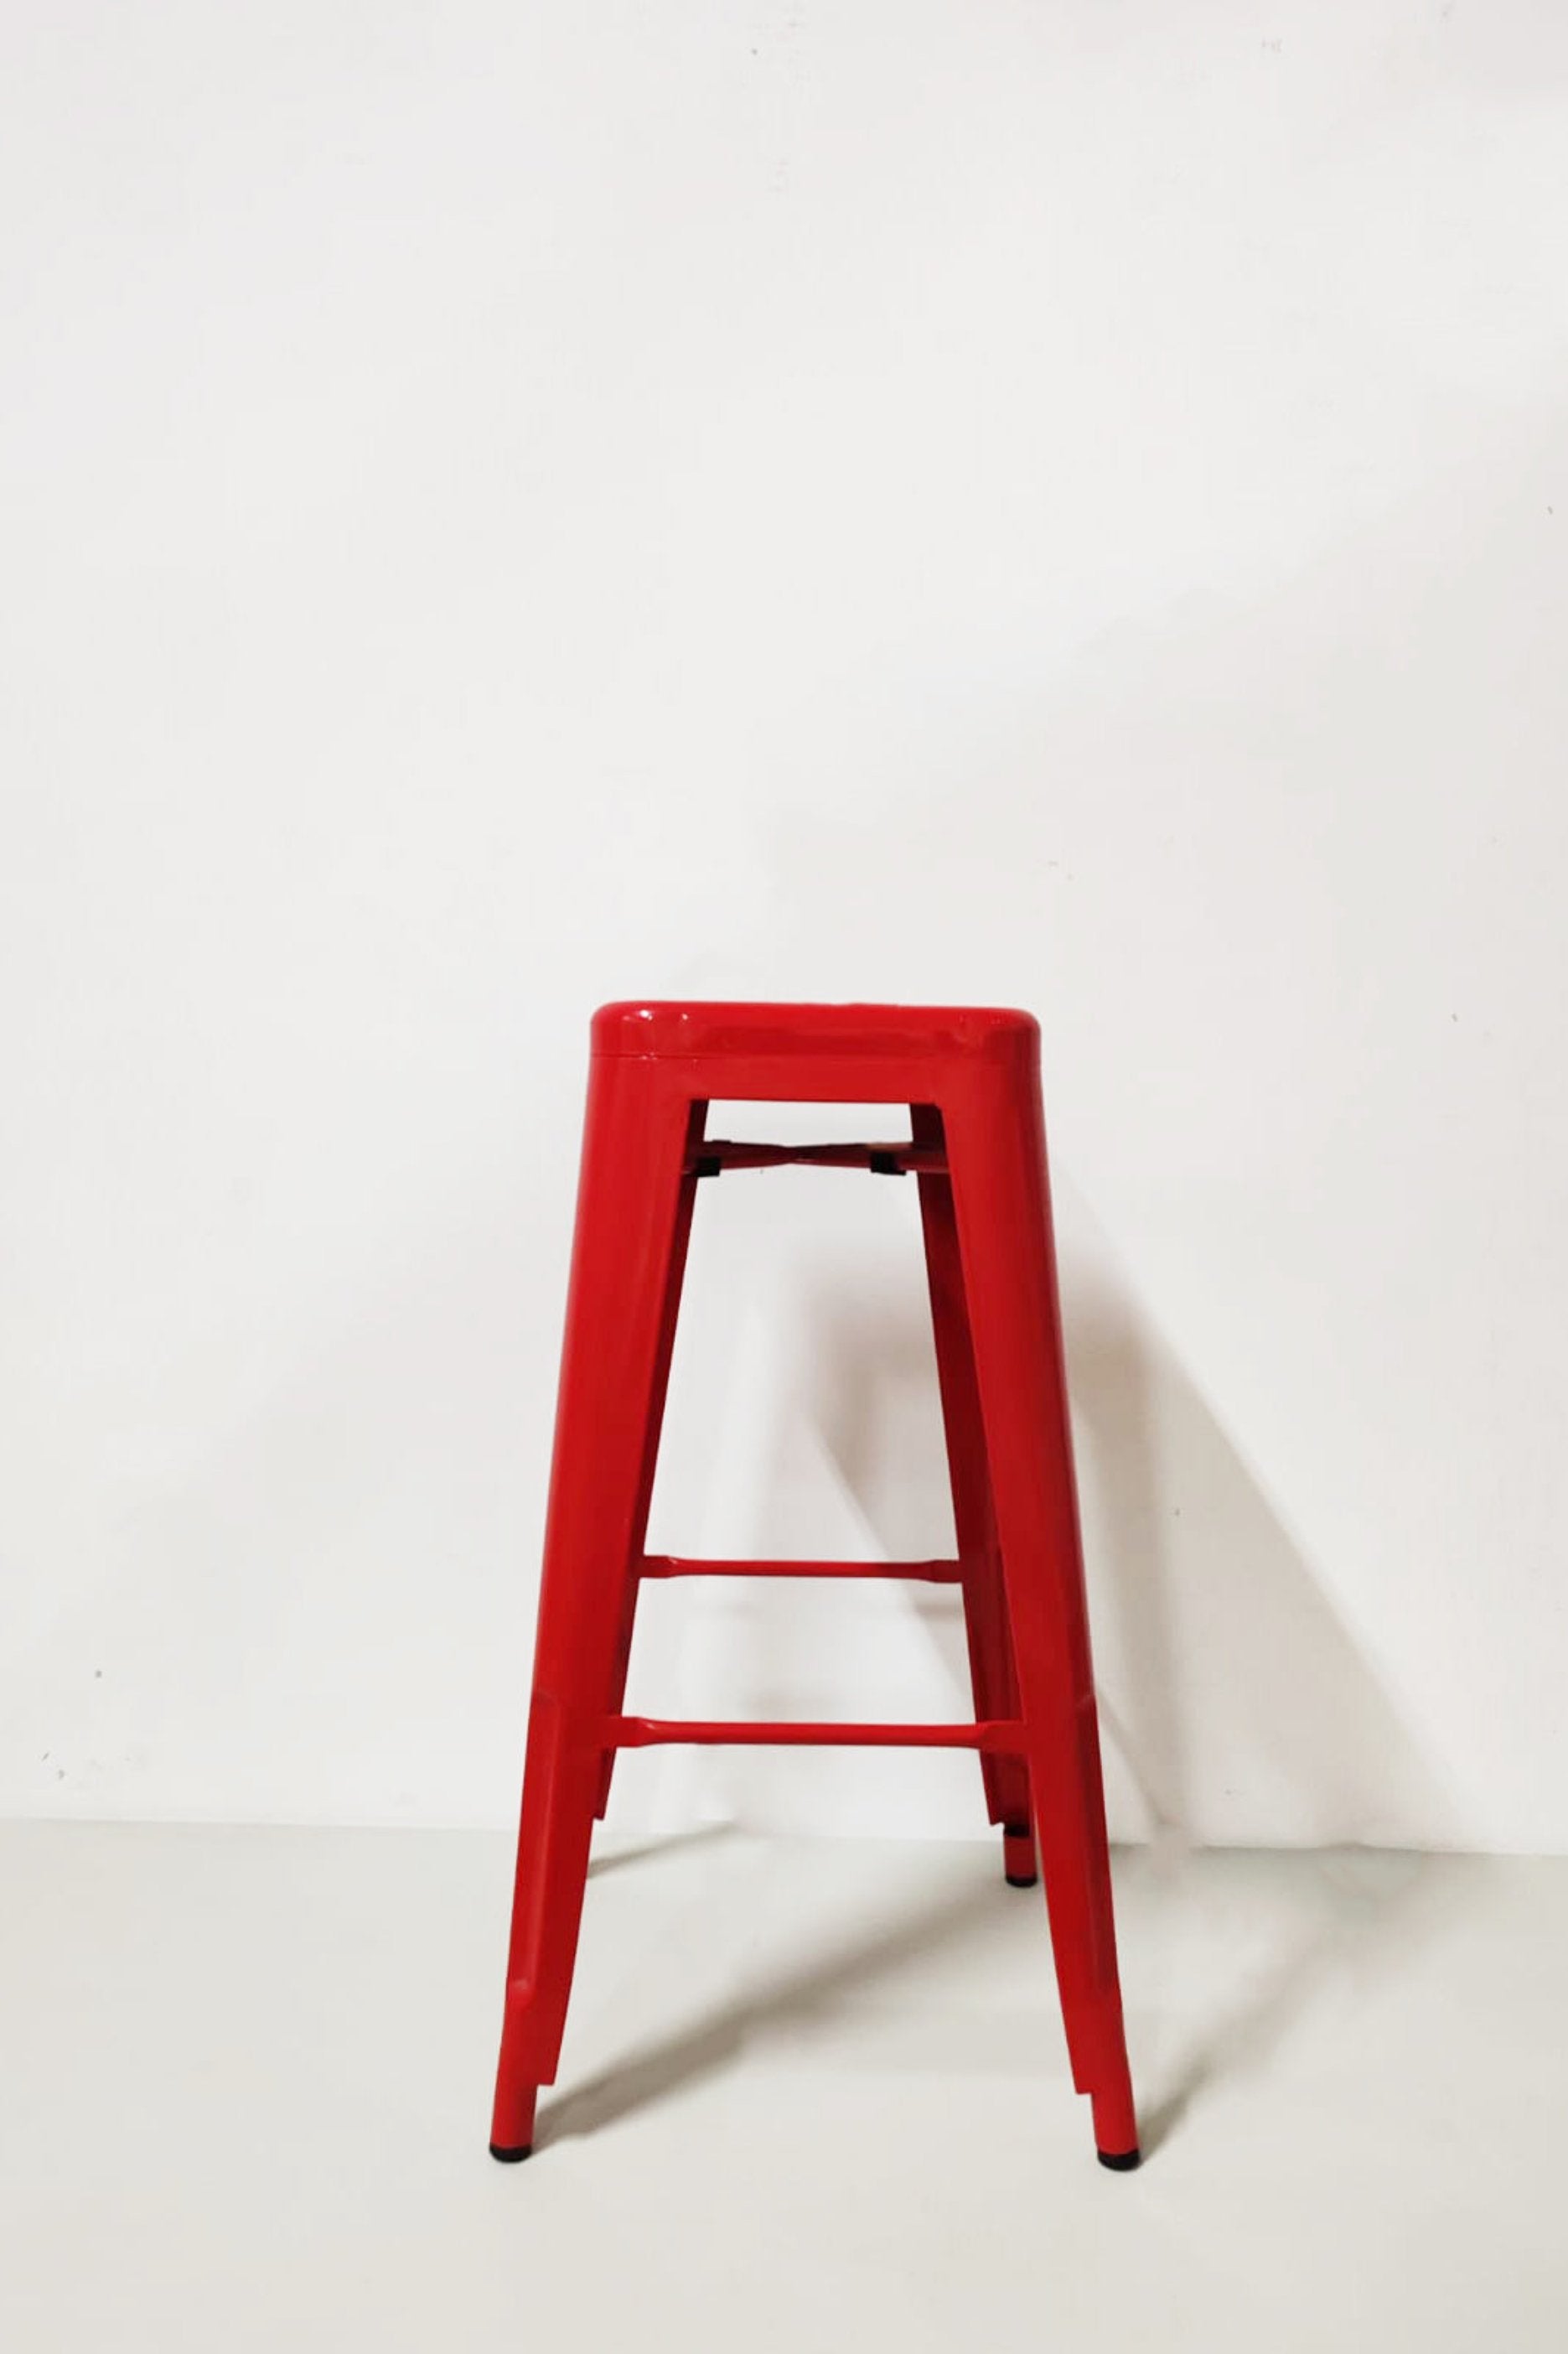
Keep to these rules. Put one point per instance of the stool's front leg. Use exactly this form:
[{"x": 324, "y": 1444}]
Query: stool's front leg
[
  {"x": 997, "y": 1159},
  {"x": 615, "y": 1359}
]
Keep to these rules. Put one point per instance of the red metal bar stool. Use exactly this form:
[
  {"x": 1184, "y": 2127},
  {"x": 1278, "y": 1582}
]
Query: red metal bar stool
[{"x": 971, "y": 1080}]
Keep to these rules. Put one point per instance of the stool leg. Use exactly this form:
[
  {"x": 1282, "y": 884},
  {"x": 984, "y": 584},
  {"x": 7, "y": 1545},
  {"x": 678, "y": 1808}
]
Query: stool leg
[
  {"x": 696, "y": 1123},
  {"x": 996, "y": 1157},
  {"x": 628, "y": 1212},
  {"x": 992, "y": 1672}
]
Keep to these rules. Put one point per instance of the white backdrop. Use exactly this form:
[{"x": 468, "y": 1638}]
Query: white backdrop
[{"x": 1032, "y": 503}]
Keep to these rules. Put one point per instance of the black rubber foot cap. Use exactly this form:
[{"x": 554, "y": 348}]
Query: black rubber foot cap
[
  {"x": 509, "y": 2156},
  {"x": 1022, "y": 1880},
  {"x": 1120, "y": 2161}
]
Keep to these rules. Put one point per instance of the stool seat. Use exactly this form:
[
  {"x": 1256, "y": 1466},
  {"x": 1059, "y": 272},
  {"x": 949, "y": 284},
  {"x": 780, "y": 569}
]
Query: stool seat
[{"x": 686, "y": 1028}]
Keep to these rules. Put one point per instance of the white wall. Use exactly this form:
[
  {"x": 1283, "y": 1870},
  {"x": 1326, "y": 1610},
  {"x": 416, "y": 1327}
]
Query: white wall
[{"x": 509, "y": 508}]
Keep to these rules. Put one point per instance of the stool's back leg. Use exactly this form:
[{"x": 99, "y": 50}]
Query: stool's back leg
[
  {"x": 697, "y": 1122},
  {"x": 627, "y": 1222},
  {"x": 985, "y": 1611},
  {"x": 997, "y": 1159}
]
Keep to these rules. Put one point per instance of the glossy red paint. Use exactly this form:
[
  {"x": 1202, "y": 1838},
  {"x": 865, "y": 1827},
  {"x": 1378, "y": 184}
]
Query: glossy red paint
[{"x": 970, "y": 1078}]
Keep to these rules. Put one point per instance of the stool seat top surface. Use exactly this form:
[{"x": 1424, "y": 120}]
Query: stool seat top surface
[{"x": 673, "y": 1027}]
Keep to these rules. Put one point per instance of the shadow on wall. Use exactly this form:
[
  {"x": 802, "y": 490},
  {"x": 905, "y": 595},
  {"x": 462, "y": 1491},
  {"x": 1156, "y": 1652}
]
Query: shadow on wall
[
  {"x": 1237, "y": 1703},
  {"x": 1236, "y": 1706},
  {"x": 1257, "y": 845}
]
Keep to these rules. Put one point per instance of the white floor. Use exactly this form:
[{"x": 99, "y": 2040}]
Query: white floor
[{"x": 814, "y": 2099}]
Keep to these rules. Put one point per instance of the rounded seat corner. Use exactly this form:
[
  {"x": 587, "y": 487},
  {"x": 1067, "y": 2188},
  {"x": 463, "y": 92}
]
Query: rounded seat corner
[{"x": 626, "y": 1025}]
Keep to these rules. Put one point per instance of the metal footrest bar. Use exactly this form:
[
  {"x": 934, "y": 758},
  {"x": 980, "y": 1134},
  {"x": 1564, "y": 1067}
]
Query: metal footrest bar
[
  {"x": 931, "y": 1572},
  {"x": 649, "y": 1732}
]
